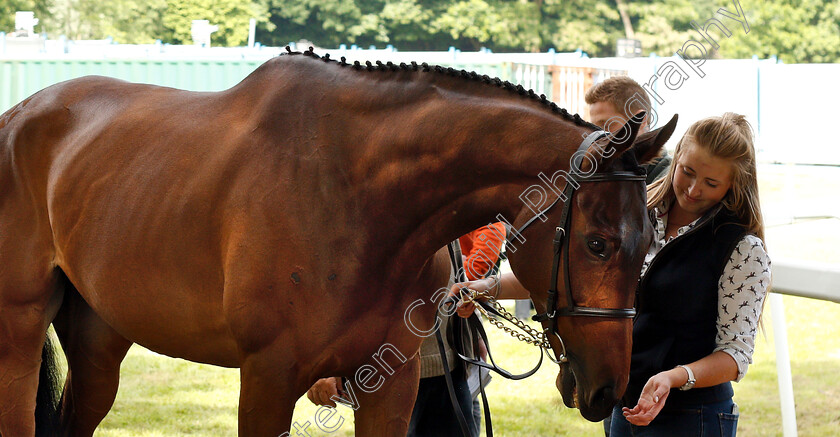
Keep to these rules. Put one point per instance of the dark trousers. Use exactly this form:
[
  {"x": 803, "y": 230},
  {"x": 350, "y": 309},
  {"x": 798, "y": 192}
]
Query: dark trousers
[
  {"x": 433, "y": 415},
  {"x": 718, "y": 419}
]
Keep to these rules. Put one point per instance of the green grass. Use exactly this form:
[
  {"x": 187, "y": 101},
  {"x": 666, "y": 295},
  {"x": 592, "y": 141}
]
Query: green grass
[
  {"x": 814, "y": 347},
  {"x": 161, "y": 396}
]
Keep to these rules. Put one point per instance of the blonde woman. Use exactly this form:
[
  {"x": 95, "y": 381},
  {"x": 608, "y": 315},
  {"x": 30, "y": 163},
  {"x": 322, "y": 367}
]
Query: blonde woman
[{"x": 701, "y": 291}]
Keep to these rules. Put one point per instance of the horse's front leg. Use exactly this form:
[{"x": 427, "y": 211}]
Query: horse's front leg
[
  {"x": 270, "y": 388},
  {"x": 386, "y": 411}
]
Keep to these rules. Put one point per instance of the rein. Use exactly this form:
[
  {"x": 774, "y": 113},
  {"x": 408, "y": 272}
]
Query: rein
[{"x": 549, "y": 318}]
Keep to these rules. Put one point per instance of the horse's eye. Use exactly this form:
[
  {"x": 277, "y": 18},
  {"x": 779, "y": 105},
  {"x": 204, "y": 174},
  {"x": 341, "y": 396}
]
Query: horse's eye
[{"x": 597, "y": 246}]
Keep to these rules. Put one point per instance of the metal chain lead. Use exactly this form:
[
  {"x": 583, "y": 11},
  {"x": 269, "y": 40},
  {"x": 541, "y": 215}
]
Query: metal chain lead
[{"x": 537, "y": 338}]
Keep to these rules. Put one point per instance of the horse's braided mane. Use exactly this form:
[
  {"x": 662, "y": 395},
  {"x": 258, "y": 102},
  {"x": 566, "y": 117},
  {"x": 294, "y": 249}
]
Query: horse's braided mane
[{"x": 464, "y": 74}]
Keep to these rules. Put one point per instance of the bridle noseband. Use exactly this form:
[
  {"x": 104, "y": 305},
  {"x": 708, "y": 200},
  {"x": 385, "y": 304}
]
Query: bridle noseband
[{"x": 561, "y": 251}]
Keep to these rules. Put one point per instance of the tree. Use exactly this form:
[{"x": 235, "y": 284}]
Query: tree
[
  {"x": 232, "y": 17},
  {"x": 407, "y": 24},
  {"x": 475, "y": 23},
  {"x": 590, "y": 25},
  {"x": 324, "y": 22},
  {"x": 663, "y": 26},
  {"x": 127, "y": 21},
  {"x": 9, "y": 7},
  {"x": 135, "y": 21},
  {"x": 793, "y": 30}
]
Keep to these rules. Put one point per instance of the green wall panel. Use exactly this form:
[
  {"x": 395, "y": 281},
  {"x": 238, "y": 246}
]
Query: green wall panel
[{"x": 20, "y": 78}]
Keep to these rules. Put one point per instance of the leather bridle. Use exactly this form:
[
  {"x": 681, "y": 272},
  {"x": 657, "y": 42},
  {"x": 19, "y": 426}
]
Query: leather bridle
[{"x": 561, "y": 250}]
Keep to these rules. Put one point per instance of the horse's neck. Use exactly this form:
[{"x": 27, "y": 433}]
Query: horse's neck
[{"x": 453, "y": 164}]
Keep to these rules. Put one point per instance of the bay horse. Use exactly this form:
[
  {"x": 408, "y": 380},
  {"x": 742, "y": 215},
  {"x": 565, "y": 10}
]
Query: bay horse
[{"x": 283, "y": 227}]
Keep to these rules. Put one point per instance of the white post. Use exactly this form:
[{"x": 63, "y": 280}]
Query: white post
[
  {"x": 783, "y": 365},
  {"x": 252, "y": 30},
  {"x": 201, "y": 30},
  {"x": 522, "y": 309},
  {"x": 25, "y": 23}
]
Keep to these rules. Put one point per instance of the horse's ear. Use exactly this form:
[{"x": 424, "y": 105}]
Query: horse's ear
[
  {"x": 649, "y": 145},
  {"x": 621, "y": 140}
]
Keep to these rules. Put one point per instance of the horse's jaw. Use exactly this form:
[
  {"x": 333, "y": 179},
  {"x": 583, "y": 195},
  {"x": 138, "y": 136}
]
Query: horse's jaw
[{"x": 567, "y": 386}]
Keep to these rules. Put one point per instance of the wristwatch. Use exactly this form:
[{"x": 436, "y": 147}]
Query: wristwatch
[{"x": 689, "y": 384}]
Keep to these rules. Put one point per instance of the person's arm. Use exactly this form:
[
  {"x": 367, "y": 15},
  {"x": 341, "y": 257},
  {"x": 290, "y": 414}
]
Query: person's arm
[
  {"x": 505, "y": 286},
  {"x": 511, "y": 288},
  {"x": 711, "y": 370},
  {"x": 741, "y": 291},
  {"x": 484, "y": 251}
]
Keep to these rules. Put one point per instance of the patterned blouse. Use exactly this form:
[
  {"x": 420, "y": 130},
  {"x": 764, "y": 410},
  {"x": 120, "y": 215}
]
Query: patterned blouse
[{"x": 741, "y": 290}]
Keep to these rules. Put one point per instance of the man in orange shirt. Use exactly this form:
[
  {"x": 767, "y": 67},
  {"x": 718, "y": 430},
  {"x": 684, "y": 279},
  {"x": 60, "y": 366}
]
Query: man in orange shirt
[{"x": 481, "y": 248}]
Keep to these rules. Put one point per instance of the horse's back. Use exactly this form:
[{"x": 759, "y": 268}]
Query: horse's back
[
  {"x": 44, "y": 129},
  {"x": 69, "y": 141}
]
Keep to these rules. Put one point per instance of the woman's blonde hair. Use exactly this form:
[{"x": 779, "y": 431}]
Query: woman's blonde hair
[{"x": 727, "y": 137}]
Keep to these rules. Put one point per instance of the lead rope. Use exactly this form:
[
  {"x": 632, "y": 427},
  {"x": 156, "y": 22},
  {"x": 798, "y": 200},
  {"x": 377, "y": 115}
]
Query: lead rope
[
  {"x": 455, "y": 257},
  {"x": 476, "y": 330}
]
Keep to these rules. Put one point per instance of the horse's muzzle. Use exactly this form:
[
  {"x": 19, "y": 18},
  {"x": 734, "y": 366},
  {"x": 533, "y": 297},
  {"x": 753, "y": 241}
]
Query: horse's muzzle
[
  {"x": 594, "y": 407},
  {"x": 601, "y": 404}
]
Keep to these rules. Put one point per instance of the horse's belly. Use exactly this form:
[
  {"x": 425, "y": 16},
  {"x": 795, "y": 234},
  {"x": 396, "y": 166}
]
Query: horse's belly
[
  {"x": 168, "y": 322},
  {"x": 173, "y": 307}
]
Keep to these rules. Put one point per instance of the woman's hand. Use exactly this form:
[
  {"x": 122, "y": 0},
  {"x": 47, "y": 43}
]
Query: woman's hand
[
  {"x": 653, "y": 398},
  {"x": 324, "y": 389},
  {"x": 711, "y": 370}
]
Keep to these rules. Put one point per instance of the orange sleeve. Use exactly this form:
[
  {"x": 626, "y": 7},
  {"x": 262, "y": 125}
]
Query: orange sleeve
[{"x": 484, "y": 252}]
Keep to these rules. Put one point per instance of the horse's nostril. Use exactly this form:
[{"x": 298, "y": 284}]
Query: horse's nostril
[
  {"x": 606, "y": 396},
  {"x": 601, "y": 403}
]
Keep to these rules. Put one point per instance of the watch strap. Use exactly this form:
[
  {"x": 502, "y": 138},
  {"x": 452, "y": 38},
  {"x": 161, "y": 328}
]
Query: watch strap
[{"x": 689, "y": 384}]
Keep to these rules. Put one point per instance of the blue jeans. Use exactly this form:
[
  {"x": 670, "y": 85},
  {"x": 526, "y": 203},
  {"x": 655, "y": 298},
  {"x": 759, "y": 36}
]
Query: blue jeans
[{"x": 703, "y": 420}]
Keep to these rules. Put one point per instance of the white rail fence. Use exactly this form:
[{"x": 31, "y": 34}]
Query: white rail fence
[{"x": 796, "y": 278}]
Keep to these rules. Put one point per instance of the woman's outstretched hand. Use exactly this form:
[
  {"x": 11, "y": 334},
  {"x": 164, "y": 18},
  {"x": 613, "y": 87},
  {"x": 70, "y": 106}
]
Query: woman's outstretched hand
[{"x": 651, "y": 401}]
